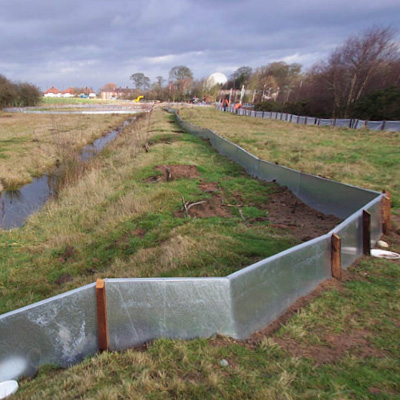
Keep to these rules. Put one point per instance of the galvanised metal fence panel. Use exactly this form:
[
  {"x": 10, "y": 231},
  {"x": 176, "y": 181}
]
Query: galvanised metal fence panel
[
  {"x": 267, "y": 114},
  {"x": 332, "y": 197},
  {"x": 374, "y": 125},
  {"x": 311, "y": 121},
  {"x": 350, "y": 231},
  {"x": 375, "y": 208},
  {"x": 227, "y": 149},
  {"x": 284, "y": 176},
  {"x": 247, "y": 161},
  {"x": 263, "y": 291},
  {"x": 61, "y": 330},
  {"x": 325, "y": 122},
  {"x": 140, "y": 310},
  {"x": 358, "y": 124},
  {"x": 392, "y": 126},
  {"x": 259, "y": 114},
  {"x": 343, "y": 123},
  {"x": 302, "y": 120}
]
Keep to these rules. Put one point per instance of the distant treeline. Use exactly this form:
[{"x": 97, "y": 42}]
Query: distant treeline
[
  {"x": 20, "y": 94},
  {"x": 359, "y": 79}
]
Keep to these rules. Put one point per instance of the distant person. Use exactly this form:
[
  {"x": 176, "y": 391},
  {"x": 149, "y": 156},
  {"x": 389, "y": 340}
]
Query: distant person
[
  {"x": 225, "y": 103},
  {"x": 237, "y": 106}
]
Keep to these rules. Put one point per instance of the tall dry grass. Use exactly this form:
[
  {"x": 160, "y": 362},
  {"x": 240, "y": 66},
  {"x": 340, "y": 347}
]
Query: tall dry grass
[{"x": 31, "y": 144}]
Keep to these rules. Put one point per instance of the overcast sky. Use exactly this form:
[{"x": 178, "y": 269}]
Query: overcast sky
[{"x": 92, "y": 42}]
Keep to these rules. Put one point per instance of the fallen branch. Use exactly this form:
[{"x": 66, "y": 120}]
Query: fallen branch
[{"x": 187, "y": 206}]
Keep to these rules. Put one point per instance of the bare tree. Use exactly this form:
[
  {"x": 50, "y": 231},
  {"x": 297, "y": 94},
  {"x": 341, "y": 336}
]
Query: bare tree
[{"x": 352, "y": 67}]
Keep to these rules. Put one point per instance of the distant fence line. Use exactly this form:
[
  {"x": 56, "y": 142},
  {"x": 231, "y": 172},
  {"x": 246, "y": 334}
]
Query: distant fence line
[
  {"x": 120, "y": 313},
  {"x": 350, "y": 123}
]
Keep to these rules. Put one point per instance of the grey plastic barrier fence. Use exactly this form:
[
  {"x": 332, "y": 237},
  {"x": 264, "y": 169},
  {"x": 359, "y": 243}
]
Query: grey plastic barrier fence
[
  {"x": 342, "y": 123},
  {"x": 63, "y": 329}
]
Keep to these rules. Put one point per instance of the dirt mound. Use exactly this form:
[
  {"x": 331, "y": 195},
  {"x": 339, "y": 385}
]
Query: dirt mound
[{"x": 172, "y": 172}]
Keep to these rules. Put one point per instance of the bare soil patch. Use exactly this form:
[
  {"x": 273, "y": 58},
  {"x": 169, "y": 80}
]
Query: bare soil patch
[
  {"x": 172, "y": 172},
  {"x": 64, "y": 278},
  {"x": 286, "y": 211},
  {"x": 67, "y": 254},
  {"x": 209, "y": 187},
  {"x": 337, "y": 345},
  {"x": 165, "y": 139},
  {"x": 213, "y": 207}
]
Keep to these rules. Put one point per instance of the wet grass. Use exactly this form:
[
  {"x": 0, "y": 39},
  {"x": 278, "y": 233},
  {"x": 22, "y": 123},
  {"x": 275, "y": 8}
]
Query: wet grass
[{"x": 363, "y": 158}]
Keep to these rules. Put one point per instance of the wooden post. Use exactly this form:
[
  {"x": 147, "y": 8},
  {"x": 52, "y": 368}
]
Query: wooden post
[
  {"x": 383, "y": 125},
  {"x": 386, "y": 212},
  {"x": 336, "y": 259},
  {"x": 366, "y": 229},
  {"x": 102, "y": 324}
]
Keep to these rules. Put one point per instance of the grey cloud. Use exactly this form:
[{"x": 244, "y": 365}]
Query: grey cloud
[{"x": 95, "y": 41}]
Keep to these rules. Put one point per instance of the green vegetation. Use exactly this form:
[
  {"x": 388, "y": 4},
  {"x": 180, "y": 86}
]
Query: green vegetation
[
  {"x": 122, "y": 218},
  {"x": 359, "y": 157}
]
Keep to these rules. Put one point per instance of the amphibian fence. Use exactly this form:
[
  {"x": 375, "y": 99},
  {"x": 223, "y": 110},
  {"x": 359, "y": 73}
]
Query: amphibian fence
[{"x": 122, "y": 313}]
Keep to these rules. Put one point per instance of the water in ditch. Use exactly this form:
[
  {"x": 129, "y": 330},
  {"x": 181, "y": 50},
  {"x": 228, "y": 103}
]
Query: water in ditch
[{"x": 17, "y": 205}]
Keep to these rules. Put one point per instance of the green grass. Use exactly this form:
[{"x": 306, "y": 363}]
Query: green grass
[
  {"x": 343, "y": 345},
  {"x": 113, "y": 222},
  {"x": 364, "y": 158}
]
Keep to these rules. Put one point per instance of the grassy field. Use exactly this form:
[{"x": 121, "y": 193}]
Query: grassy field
[
  {"x": 122, "y": 218},
  {"x": 359, "y": 157},
  {"x": 30, "y": 144}
]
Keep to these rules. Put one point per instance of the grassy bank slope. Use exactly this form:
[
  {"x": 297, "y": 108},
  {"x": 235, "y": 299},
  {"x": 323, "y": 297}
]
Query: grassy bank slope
[
  {"x": 359, "y": 157},
  {"x": 122, "y": 218},
  {"x": 30, "y": 143}
]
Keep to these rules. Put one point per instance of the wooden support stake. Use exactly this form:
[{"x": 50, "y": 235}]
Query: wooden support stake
[
  {"x": 386, "y": 212},
  {"x": 366, "y": 228},
  {"x": 336, "y": 259},
  {"x": 102, "y": 324}
]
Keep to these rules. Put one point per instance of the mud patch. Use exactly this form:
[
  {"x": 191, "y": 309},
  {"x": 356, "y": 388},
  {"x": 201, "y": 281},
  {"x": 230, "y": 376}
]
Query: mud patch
[
  {"x": 169, "y": 139},
  {"x": 213, "y": 207},
  {"x": 139, "y": 232},
  {"x": 172, "y": 172},
  {"x": 209, "y": 187},
  {"x": 67, "y": 254},
  {"x": 286, "y": 211},
  {"x": 64, "y": 278}
]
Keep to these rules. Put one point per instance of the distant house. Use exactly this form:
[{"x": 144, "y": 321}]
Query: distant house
[
  {"x": 70, "y": 92},
  {"x": 52, "y": 92},
  {"x": 118, "y": 93}
]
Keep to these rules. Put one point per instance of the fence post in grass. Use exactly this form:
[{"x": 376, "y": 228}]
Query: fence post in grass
[
  {"x": 336, "y": 258},
  {"x": 102, "y": 324},
  {"x": 383, "y": 125},
  {"x": 366, "y": 230},
  {"x": 386, "y": 212}
]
